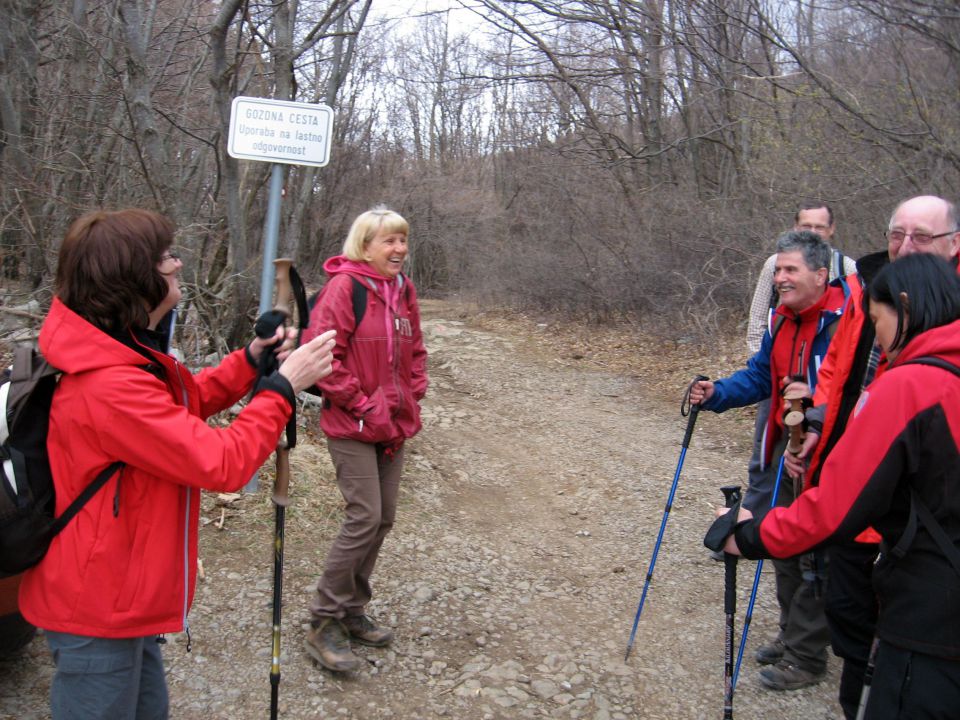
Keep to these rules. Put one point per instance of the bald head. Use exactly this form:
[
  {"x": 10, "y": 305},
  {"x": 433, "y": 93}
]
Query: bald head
[{"x": 932, "y": 219}]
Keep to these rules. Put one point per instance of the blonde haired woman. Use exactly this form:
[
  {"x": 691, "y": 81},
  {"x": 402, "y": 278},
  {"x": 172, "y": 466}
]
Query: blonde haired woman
[{"x": 370, "y": 408}]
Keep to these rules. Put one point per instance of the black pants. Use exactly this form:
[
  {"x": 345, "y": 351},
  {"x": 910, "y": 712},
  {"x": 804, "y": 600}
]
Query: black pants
[
  {"x": 851, "y": 609},
  {"x": 912, "y": 686}
]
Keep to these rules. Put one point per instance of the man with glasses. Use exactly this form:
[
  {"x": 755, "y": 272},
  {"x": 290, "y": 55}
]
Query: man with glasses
[{"x": 924, "y": 224}]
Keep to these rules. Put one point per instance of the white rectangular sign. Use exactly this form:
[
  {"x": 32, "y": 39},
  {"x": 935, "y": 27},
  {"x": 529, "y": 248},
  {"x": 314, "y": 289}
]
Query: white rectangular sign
[{"x": 280, "y": 131}]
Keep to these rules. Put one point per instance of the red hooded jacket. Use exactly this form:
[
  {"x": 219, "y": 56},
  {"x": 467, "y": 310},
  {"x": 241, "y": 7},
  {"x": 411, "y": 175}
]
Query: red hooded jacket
[
  {"x": 132, "y": 572},
  {"x": 379, "y": 370}
]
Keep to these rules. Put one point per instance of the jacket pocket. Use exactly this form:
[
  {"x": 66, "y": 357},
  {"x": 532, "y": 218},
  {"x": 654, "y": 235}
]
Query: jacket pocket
[{"x": 377, "y": 420}]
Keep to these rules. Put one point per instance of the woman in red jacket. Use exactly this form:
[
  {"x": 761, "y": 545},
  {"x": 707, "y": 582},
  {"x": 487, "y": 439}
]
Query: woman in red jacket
[
  {"x": 123, "y": 570},
  {"x": 896, "y": 468},
  {"x": 371, "y": 406}
]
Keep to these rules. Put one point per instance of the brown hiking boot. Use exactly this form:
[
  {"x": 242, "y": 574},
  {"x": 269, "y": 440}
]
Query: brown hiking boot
[
  {"x": 771, "y": 653},
  {"x": 329, "y": 645},
  {"x": 365, "y": 631},
  {"x": 787, "y": 676}
]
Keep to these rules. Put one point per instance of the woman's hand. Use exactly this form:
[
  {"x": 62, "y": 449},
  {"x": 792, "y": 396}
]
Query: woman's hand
[
  {"x": 309, "y": 363},
  {"x": 282, "y": 341}
]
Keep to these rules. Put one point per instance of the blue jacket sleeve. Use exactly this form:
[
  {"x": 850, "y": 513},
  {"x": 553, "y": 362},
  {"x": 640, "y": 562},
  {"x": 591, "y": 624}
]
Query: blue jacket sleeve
[{"x": 746, "y": 386}]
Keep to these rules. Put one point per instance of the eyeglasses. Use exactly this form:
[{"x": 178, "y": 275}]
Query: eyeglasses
[
  {"x": 814, "y": 228},
  {"x": 170, "y": 255},
  {"x": 896, "y": 237}
]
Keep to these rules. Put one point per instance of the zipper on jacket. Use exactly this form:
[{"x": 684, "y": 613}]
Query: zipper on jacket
[
  {"x": 396, "y": 363},
  {"x": 186, "y": 568},
  {"x": 186, "y": 524}
]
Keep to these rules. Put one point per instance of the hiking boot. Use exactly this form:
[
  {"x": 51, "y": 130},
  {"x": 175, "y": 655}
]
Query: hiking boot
[
  {"x": 329, "y": 645},
  {"x": 771, "y": 653},
  {"x": 787, "y": 676},
  {"x": 365, "y": 631}
]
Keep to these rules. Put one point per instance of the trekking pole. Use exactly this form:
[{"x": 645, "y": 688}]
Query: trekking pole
[
  {"x": 794, "y": 421},
  {"x": 731, "y": 496},
  {"x": 280, "y": 501},
  {"x": 868, "y": 679},
  {"x": 692, "y": 413},
  {"x": 756, "y": 583},
  {"x": 280, "y": 495}
]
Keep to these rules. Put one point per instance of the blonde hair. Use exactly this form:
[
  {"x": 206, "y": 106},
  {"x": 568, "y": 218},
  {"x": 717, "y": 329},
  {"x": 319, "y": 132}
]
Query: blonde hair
[{"x": 366, "y": 227}]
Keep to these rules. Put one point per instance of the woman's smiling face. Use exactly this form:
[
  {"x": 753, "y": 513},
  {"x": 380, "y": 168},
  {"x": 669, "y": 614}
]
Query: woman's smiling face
[{"x": 386, "y": 252}]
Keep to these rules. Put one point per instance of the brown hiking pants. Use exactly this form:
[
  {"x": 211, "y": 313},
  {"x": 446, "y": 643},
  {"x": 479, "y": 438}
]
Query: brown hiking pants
[{"x": 369, "y": 482}]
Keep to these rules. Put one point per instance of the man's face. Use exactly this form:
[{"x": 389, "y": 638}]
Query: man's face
[
  {"x": 925, "y": 217},
  {"x": 798, "y": 285},
  {"x": 815, "y": 220}
]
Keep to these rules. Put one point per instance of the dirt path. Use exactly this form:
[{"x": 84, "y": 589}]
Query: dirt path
[{"x": 529, "y": 511}]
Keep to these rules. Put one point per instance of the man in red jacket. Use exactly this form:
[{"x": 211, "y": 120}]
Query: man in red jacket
[
  {"x": 924, "y": 224},
  {"x": 795, "y": 343}
]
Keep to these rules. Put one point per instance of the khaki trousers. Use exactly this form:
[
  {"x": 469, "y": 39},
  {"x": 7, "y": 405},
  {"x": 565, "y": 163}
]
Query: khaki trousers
[{"x": 369, "y": 481}]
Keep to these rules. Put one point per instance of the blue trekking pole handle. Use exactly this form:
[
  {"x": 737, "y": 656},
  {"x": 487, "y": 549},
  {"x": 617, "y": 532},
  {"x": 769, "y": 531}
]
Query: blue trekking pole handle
[
  {"x": 756, "y": 584},
  {"x": 691, "y": 421}
]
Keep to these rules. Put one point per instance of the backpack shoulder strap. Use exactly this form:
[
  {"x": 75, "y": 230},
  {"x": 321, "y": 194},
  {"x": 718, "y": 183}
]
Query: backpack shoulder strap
[
  {"x": 920, "y": 514},
  {"x": 359, "y": 299},
  {"x": 936, "y": 530},
  {"x": 936, "y": 362},
  {"x": 88, "y": 492},
  {"x": 29, "y": 369},
  {"x": 776, "y": 322}
]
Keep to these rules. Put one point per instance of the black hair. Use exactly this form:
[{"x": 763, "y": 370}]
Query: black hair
[{"x": 924, "y": 290}]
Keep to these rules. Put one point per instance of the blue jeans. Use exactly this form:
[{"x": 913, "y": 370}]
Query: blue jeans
[{"x": 107, "y": 678}]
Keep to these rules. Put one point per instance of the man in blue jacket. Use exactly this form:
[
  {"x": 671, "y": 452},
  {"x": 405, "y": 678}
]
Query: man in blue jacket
[{"x": 793, "y": 347}]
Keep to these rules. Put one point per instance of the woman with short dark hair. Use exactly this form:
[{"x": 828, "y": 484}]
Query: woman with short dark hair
[
  {"x": 123, "y": 570},
  {"x": 897, "y": 469}
]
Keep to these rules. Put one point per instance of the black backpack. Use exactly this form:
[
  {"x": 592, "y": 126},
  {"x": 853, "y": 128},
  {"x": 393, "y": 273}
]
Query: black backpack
[
  {"x": 27, "y": 500},
  {"x": 358, "y": 298}
]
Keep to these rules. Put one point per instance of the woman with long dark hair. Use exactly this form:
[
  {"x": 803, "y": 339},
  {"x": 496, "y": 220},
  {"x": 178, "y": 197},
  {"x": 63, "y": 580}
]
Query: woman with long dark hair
[{"x": 897, "y": 469}]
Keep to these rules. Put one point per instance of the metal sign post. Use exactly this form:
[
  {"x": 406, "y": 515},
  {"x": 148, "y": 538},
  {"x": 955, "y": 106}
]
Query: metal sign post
[{"x": 280, "y": 132}]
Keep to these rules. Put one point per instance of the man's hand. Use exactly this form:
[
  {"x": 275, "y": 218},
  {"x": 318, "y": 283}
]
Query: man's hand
[
  {"x": 744, "y": 515},
  {"x": 795, "y": 465},
  {"x": 794, "y": 388},
  {"x": 700, "y": 392}
]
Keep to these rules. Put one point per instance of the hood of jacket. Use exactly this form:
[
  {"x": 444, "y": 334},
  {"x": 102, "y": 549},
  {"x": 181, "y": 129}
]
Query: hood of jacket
[
  {"x": 73, "y": 345},
  {"x": 942, "y": 342},
  {"x": 342, "y": 264}
]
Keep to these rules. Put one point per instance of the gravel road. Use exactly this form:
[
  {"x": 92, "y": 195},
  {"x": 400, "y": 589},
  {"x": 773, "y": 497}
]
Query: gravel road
[{"x": 528, "y": 514}]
